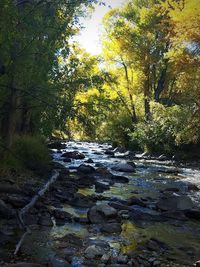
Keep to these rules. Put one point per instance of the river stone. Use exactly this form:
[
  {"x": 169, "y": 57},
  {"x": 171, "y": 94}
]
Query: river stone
[
  {"x": 5, "y": 211},
  {"x": 174, "y": 202},
  {"x": 86, "y": 169},
  {"x": 111, "y": 228},
  {"x": 89, "y": 161},
  {"x": 123, "y": 167},
  {"x": 100, "y": 213},
  {"x": 73, "y": 155},
  {"x": 193, "y": 214},
  {"x": 93, "y": 251}
]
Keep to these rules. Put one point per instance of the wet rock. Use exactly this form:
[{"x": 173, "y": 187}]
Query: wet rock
[
  {"x": 111, "y": 228},
  {"x": 101, "y": 213},
  {"x": 82, "y": 201},
  {"x": 174, "y": 202},
  {"x": 73, "y": 155},
  {"x": 122, "y": 259},
  {"x": 56, "y": 145},
  {"x": 109, "y": 152},
  {"x": 123, "y": 167},
  {"x": 177, "y": 215},
  {"x": 171, "y": 189},
  {"x": 86, "y": 169},
  {"x": 89, "y": 161},
  {"x": 105, "y": 258},
  {"x": 119, "y": 179},
  {"x": 93, "y": 251},
  {"x": 59, "y": 262},
  {"x": 192, "y": 187},
  {"x": 103, "y": 171},
  {"x": 5, "y": 211},
  {"x": 101, "y": 187},
  {"x": 45, "y": 220},
  {"x": 25, "y": 264},
  {"x": 124, "y": 214},
  {"x": 118, "y": 265},
  {"x": 135, "y": 201}
]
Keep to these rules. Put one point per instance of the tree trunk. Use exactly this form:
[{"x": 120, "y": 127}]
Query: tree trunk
[{"x": 147, "y": 93}]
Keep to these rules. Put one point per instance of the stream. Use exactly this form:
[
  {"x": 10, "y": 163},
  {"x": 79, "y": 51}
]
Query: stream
[{"x": 149, "y": 235}]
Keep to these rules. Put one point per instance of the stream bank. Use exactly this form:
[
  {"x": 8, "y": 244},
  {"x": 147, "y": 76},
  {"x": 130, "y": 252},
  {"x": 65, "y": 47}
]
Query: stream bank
[{"x": 108, "y": 209}]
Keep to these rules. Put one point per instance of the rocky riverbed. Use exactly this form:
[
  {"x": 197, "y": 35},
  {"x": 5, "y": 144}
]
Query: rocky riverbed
[{"x": 107, "y": 208}]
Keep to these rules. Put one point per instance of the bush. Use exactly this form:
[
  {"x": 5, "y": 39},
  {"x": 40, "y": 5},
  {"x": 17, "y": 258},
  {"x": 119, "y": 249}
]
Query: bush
[
  {"x": 165, "y": 131},
  {"x": 27, "y": 153}
]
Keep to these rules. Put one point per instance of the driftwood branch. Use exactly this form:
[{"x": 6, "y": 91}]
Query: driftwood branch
[{"x": 31, "y": 204}]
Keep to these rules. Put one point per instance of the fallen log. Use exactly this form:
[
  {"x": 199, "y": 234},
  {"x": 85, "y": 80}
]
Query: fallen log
[{"x": 31, "y": 204}]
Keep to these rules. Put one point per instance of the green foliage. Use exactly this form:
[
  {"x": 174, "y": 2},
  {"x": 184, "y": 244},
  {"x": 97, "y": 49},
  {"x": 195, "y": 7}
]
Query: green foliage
[
  {"x": 165, "y": 131},
  {"x": 26, "y": 153}
]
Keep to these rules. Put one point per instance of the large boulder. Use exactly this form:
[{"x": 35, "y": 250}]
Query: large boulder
[
  {"x": 123, "y": 167},
  {"x": 101, "y": 213},
  {"x": 73, "y": 155},
  {"x": 174, "y": 202}
]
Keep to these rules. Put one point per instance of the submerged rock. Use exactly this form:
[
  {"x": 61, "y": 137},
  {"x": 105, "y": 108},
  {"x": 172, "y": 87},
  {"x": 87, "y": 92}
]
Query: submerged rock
[{"x": 56, "y": 145}]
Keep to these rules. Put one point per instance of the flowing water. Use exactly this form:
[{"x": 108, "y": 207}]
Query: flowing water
[{"x": 150, "y": 178}]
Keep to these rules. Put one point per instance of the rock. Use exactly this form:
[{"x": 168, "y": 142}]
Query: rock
[
  {"x": 89, "y": 161},
  {"x": 17, "y": 201},
  {"x": 56, "y": 145},
  {"x": 82, "y": 201},
  {"x": 197, "y": 263},
  {"x": 103, "y": 171},
  {"x": 59, "y": 262},
  {"x": 25, "y": 264},
  {"x": 136, "y": 201},
  {"x": 123, "y": 259},
  {"x": 101, "y": 213},
  {"x": 72, "y": 239},
  {"x": 101, "y": 187},
  {"x": 193, "y": 214},
  {"x": 86, "y": 169},
  {"x": 124, "y": 214},
  {"x": 5, "y": 211},
  {"x": 73, "y": 155},
  {"x": 105, "y": 258},
  {"x": 171, "y": 189},
  {"x": 119, "y": 179},
  {"x": 93, "y": 251},
  {"x": 174, "y": 202},
  {"x": 111, "y": 228},
  {"x": 123, "y": 167},
  {"x": 109, "y": 152},
  {"x": 45, "y": 221},
  {"x": 162, "y": 158},
  {"x": 193, "y": 187}
]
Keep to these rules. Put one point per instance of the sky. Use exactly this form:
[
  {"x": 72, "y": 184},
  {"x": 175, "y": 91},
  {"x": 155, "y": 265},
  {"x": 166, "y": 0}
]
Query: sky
[{"x": 89, "y": 37}]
